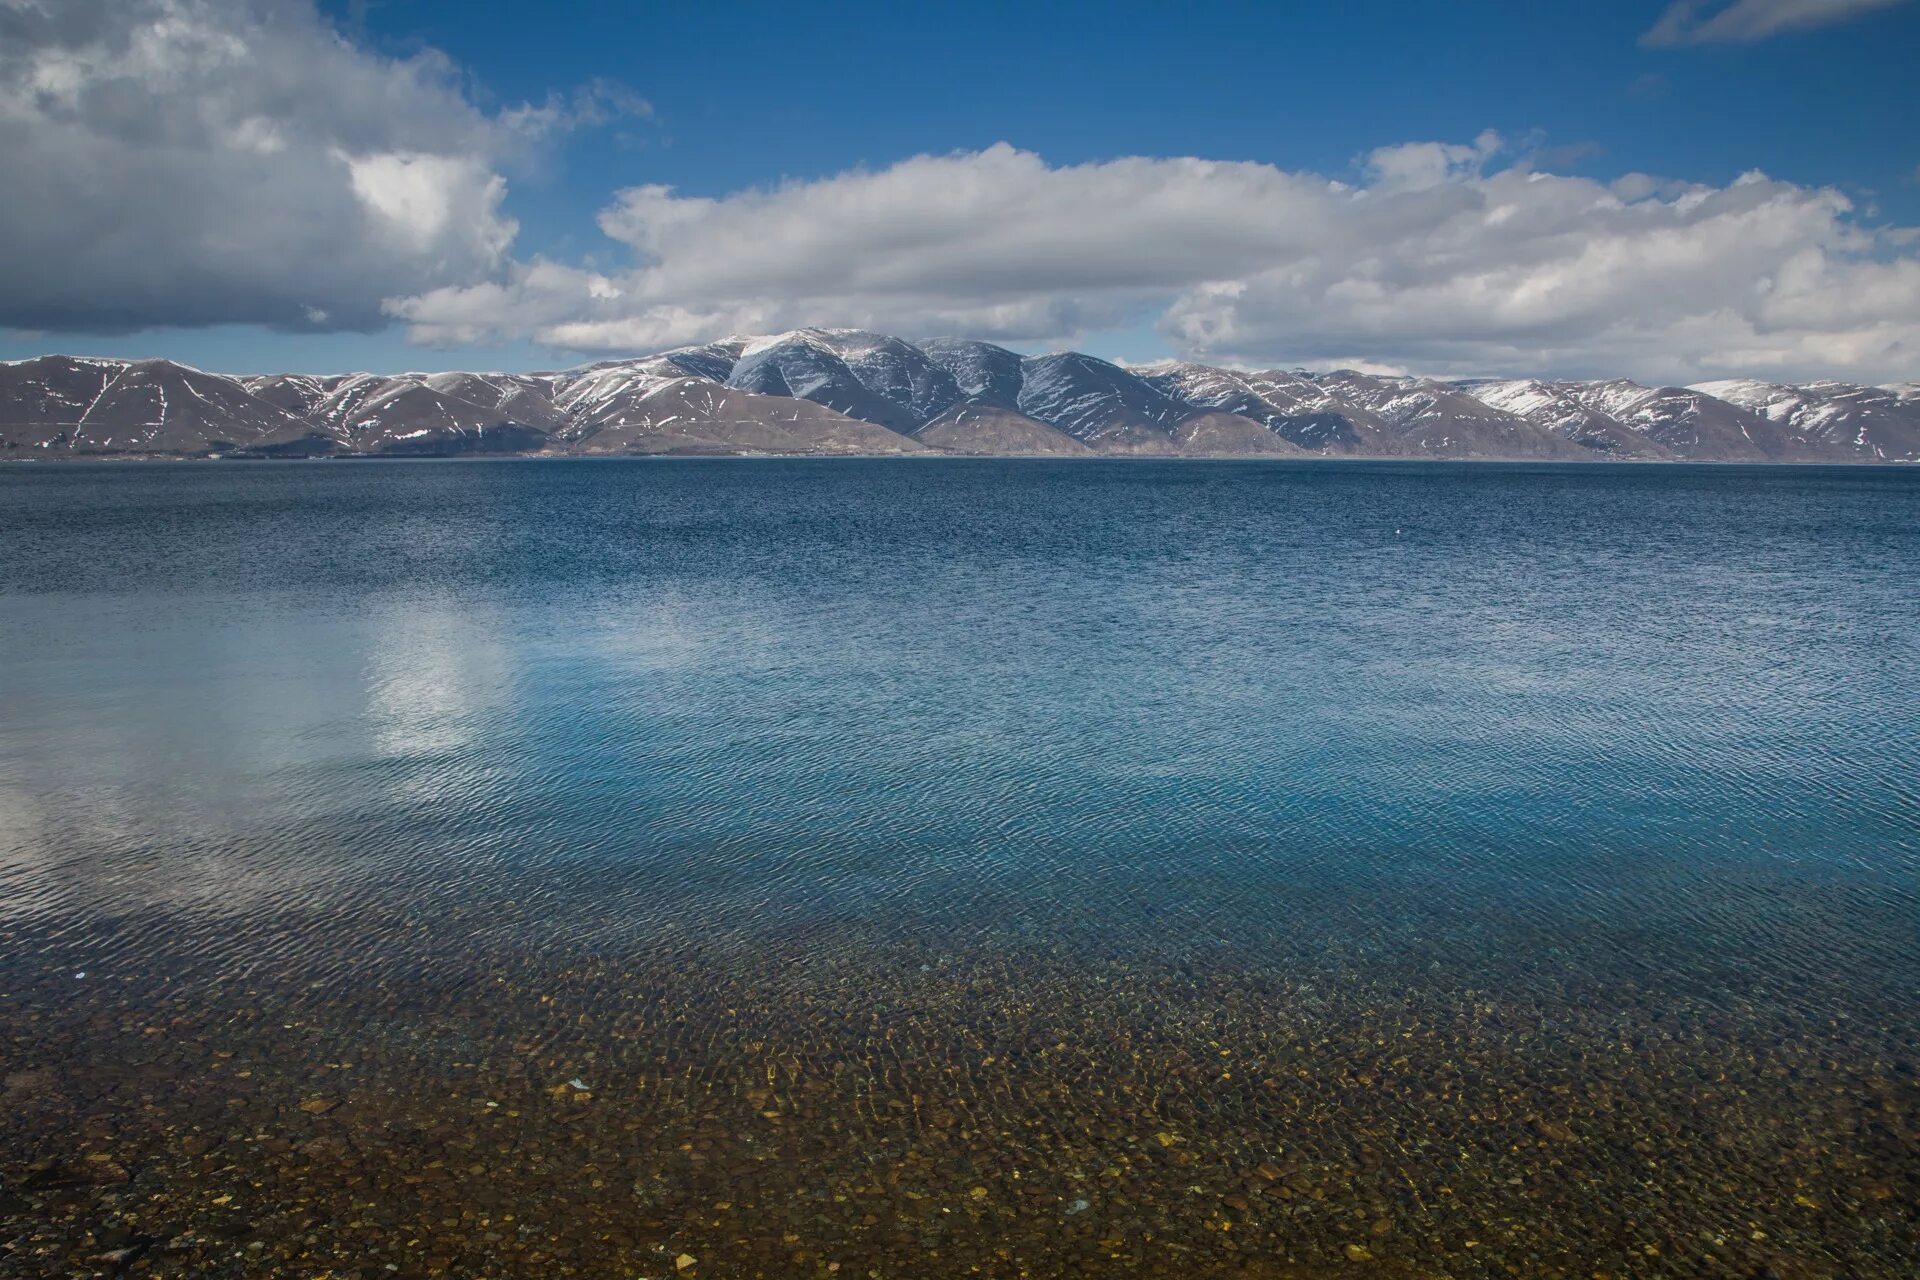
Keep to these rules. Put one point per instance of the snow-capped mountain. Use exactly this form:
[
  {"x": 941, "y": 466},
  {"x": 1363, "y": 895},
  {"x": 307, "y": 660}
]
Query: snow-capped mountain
[
  {"x": 1557, "y": 408},
  {"x": 855, "y": 391},
  {"x": 1690, "y": 423},
  {"x": 1097, "y": 402},
  {"x": 297, "y": 393},
  {"x": 806, "y": 366},
  {"x": 1429, "y": 419},
  {"x": 1292, "y": 405},
  {"x": 60, "y": 405},
  {"x": 896, "y": 371},
  {"x": 985, "y": 374},
  {"x": 1883, "y": 422}
]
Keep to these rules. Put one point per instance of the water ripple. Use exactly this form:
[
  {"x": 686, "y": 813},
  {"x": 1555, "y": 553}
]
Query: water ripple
[{"x": 1628, "y": 756}]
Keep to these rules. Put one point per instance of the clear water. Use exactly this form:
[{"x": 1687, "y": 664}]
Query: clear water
[{"x": 959, "y": 867}]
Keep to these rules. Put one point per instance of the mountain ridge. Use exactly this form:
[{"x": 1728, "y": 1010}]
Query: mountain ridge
[{"x": 841, "y": 391}]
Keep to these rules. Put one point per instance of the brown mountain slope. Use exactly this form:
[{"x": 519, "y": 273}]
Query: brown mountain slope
[
  {"x": 1230, "y": 435},
  {"x": 692, "y": 415},
  {"x": 983, "y": 429}
]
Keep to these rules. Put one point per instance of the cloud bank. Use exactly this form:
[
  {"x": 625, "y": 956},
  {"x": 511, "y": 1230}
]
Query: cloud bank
[
  {"x": 216, "y": 161},
  {"x": 1439, "y": 257}
]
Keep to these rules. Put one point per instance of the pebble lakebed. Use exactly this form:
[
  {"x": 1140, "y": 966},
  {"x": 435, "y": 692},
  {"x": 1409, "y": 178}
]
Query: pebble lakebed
[{"x": 894, "y": 1111}]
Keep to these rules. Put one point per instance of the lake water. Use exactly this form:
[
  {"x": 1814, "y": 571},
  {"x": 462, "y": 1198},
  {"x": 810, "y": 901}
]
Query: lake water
[{"x": 919, "y": 868}]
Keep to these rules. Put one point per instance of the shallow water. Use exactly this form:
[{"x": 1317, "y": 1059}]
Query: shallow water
[{"x": 922, "y": 868}]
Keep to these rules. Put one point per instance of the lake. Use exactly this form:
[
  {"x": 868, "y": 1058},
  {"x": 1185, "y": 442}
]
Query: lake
[{"x": 909, "y": 868}]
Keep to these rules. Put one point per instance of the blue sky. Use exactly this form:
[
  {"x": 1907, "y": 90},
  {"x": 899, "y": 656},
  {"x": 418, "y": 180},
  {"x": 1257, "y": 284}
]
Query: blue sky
[
  {"x": 717, "y": 102},
  {"x": 755, "y": 91}
]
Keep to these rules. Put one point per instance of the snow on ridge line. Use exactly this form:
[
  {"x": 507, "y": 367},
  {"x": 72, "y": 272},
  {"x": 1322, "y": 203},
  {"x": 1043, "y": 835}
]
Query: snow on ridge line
[
  {"x": 767, "y": 342},
  {"x": 112, "y": 362},
  {"x": 121, "y": 363},
  {"x": 816, "y": 336}
]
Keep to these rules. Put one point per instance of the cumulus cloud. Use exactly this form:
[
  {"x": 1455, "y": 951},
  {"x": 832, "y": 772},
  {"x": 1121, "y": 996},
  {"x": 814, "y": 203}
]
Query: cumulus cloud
[
  {"x": 1743, "y": 21},
  {"x": 214, "y": 161},
  {"x": 1448, "y": 258}
]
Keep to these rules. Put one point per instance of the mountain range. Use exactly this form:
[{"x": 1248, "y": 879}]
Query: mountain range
[{"x": 849, "y": 391}]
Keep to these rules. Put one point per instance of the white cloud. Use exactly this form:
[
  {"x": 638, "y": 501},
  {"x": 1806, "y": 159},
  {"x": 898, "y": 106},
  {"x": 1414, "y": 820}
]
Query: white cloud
[
  {"x": 1435, "y": 259},
  {"x": 1744, "y": 21},
  {"x": 213, "y": 161},
  {"x": 421, "y": 199},
  {"x": 1415, "y": 166}
]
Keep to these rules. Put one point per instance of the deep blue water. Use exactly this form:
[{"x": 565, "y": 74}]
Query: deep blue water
[
  {"x": 1615, "y": 737},
  {"x": 974, "y": 696}
]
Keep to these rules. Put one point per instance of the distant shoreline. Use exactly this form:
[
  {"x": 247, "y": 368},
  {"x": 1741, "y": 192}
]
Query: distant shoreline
[
  {"x": 1311, "y": 459},
  {"x": 849, "y": 393}
]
